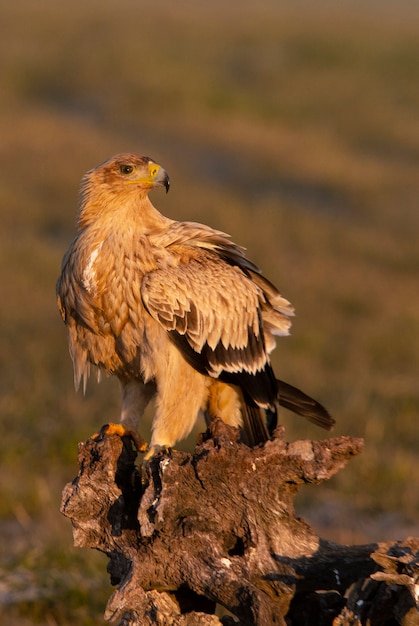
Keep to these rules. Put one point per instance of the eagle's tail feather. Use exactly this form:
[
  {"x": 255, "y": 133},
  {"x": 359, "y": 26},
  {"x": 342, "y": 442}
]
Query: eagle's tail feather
[
  {"x": 254, "y": 429},
  {"x": 298, "y": 402},
  {"x": 258, "y": 424}
]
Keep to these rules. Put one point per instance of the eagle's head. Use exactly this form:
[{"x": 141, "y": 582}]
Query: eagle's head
[{"x": 121, "y": 181}]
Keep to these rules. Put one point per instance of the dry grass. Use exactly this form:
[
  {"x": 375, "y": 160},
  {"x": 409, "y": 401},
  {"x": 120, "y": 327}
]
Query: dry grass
[{"x": 293, "y": 128}]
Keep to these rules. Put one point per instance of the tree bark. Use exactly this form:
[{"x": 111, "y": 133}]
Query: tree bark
[{"x": 187, "y": 532}]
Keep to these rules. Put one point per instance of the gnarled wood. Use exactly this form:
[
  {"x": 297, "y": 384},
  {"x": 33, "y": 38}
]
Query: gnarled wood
[{"x": 189, "y": 531}]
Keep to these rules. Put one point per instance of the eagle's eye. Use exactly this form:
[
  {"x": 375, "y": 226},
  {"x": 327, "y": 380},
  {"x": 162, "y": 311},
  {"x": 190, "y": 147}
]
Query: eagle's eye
[{"x": 126, "y": 169}]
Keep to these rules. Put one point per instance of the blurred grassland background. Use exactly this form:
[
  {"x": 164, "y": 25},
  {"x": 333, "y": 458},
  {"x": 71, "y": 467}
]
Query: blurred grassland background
[{"x": 292, "y": 126}]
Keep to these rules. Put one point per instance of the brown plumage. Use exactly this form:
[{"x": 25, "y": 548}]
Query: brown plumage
[{"x": 174, "y": 309}]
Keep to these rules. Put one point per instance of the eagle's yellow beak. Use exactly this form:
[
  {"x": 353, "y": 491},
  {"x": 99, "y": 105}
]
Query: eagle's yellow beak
[
  {"x": 158, "y": 176},
  {"x": 155, "y": 176}
]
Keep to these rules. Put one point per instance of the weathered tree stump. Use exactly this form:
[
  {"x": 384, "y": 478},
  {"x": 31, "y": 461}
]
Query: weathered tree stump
[{"x": 187, "y": 532}]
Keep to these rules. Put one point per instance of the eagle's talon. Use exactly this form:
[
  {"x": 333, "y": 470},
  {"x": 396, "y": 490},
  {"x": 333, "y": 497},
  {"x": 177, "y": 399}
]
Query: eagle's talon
[
  {"x": 121, "y": 431},
  {"x": 158, "y": 451}
]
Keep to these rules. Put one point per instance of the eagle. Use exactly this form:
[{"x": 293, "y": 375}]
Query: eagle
[{"x": 175, "y": 310}]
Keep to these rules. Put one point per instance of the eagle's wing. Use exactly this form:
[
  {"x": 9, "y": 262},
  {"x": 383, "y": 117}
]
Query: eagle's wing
[{"x": 212, "y": 311}]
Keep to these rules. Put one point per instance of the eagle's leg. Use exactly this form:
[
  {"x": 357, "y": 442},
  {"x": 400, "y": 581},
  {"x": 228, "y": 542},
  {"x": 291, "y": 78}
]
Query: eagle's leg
[
  {"x": 224, "y": 401},
  {"x": 135, "y": 397},
  {"x": 181, "y": 393},
  {"x": 228, "y": 403}
]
